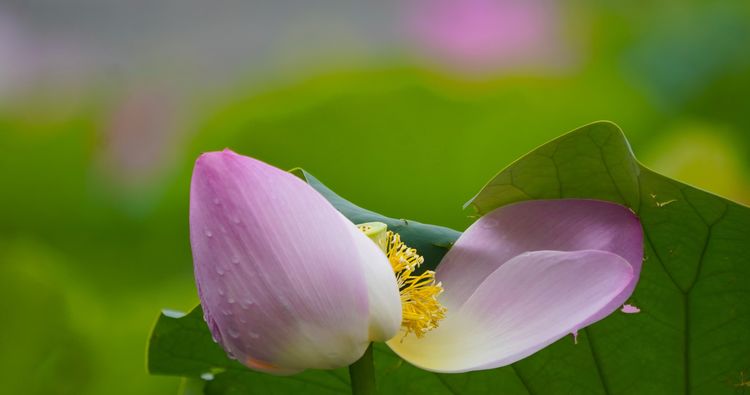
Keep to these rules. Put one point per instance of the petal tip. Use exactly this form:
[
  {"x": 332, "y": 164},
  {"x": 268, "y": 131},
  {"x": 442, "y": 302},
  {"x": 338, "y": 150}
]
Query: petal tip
[
  {"x": 208, "y": 158},
  {"x": 630, "y": 309}
]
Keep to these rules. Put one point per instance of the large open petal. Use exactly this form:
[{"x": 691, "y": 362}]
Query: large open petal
[
  {"x": 526, "y": 304},
  {"x": 285, "y": 281},
  {"x": 562, "y": 225}
]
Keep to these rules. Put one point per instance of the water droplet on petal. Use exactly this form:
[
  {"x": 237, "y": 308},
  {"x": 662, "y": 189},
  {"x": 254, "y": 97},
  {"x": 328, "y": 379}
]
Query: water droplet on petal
[
  {"x": 253, "y": 335},
  {"x": 236, "y": 220},
  {"x": 236, "y": 260},
  {"x": 219, "y": 270},
  {"x": 233, "y": 332},
  {"x": 217, "y": 201},
  {"x": 284, "y": 300},
  {"x": 230, "y": 301},
  {"x": 245, "y": 305},
  {"x": 488, "y": 223},
  {"x": 208, "y": 233}
]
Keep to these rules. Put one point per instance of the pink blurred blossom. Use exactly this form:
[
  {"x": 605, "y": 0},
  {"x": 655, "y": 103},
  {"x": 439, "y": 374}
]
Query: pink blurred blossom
[
  {"x": 481, "y": 36},
  {"x": 48, "y": 66},
  {"x": 141, "y": 136},
  {"x": 17, "y": 61}
]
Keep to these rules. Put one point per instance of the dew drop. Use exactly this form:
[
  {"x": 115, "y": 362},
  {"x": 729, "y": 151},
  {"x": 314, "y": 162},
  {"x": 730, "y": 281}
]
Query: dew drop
[
  {"x": 221, "y": 292},
  {"x": 230, "y": 301},
  {"x": 172, "y": 313},
  {"x": 219, "y": 270},
  {"x": 236, "y": 220},
  {"x": 208, "y": 376},
  {"x": 234, "y": 333},
  {"x": 217, "y": 201},
  {"x": 284, "y": 301},
  {"x": 208, "y": 233},
  {"x": 253, "y": 335},
  {"x": 488, "y": 223},
  {"x": 236, "y": 260}
]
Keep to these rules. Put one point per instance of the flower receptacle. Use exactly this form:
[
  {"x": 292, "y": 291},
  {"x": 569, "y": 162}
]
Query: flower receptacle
[{"x": 376, "y": 231}]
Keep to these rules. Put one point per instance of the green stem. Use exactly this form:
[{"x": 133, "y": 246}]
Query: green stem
[{"x": 362, "y": 374}]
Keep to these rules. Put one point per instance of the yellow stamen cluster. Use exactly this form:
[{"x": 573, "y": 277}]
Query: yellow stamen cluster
[{"x": 421, "y": 310}]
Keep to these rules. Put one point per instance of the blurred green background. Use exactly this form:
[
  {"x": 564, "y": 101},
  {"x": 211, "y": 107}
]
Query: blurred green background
[{"x": 406, "y": 108}]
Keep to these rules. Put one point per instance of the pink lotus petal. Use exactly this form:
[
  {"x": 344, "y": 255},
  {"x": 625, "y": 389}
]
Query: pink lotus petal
[
  {"x": 563, "y": 225},
  {"x": 286, "y": 283},
  {"x": 526, "y": 304},
  {"x": 630, "y": 309}
]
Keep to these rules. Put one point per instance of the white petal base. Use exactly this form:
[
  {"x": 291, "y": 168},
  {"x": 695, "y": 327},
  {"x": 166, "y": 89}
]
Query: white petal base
[{"x": 526, "y": 304}]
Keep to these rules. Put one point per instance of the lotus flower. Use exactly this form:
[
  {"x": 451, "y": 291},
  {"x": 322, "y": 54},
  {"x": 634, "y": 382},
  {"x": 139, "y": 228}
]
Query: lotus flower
[{"x": 287, "y": 283}]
